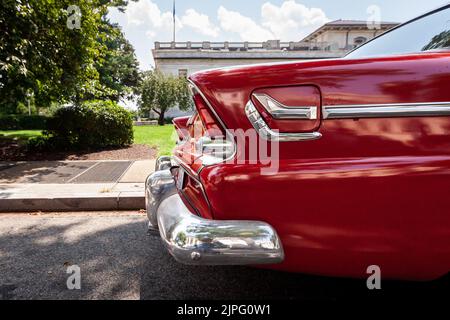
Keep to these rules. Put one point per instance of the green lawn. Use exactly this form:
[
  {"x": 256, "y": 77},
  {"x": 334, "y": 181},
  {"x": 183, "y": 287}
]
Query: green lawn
[
  {"x": 161, "y": 137},
  {"x": 21, "y": 135}
]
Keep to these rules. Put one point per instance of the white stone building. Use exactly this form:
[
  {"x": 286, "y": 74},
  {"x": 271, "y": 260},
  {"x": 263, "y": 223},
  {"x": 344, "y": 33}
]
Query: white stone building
[
  {"x": 347, "y": 34},
  {"x": 185, "y": 58}
]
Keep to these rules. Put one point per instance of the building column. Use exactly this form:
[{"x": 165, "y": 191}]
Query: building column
[{"x": 346, "y": 39}]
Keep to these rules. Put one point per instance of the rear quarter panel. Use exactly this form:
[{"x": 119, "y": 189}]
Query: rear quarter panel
[{"x": 370, "y": 191}]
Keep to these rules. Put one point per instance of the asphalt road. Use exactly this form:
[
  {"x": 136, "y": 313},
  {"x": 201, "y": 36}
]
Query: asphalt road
[{"x": 119, "y": 260}]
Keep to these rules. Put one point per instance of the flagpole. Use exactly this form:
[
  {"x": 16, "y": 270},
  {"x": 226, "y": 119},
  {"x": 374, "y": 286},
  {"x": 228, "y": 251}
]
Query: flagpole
[{"x": 174, "y": 21}]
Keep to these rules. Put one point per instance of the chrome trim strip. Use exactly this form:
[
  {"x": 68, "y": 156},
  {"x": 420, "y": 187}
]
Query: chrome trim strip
[
  {"x": 387, "y": 110},
  {"x": 197, "y": 241},
  {"x": 280, "y": 111},
  {"x": 268, "y": 134}
]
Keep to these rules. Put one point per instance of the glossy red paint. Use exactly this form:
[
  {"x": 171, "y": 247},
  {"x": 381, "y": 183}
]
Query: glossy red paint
[
  {"x": 180, "y": 124},
  {"x": 192, "y": 192},
  {"x": 369, "y": 192}
]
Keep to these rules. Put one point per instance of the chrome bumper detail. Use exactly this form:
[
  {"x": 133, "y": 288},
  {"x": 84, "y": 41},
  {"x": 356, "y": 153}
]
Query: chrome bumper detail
[
  {"x": 157, "y": 185},
  {"x": 194, "y": 240},
  {"x": 163, "y": 163}
]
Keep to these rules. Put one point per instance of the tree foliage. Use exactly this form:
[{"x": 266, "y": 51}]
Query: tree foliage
[
  {"x": 118, "y": 70},
  {"x": 440, "y": 41},
  {"x": 160, "y": 92},
  {"x": 40, "y": 54}
]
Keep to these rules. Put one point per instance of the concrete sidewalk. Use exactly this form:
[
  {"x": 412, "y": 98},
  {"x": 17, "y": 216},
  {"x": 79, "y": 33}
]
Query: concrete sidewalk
[{"x": 73, "y": 185}]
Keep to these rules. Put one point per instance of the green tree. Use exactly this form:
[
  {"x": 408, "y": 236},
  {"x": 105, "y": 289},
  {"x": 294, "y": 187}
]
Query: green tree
[
  {"x": 159, "y": 92},
  {"x": 40, "y": 53},
  {"x": 442, "y": 40},
  {"x": 118, "y": 70}
]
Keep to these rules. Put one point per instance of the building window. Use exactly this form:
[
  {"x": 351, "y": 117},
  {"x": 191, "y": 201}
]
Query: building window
[
  {"x": 359, "y": 41},
  {"x": 182, "y": 73}
]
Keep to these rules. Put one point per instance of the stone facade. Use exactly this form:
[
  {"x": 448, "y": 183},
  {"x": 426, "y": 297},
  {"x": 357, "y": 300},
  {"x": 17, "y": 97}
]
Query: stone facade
[
  {"x": 185, "y": 58},
  {"x": 347, "y": 34}
]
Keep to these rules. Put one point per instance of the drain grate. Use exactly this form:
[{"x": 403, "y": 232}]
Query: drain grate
[{"x": 104, "y": 172}]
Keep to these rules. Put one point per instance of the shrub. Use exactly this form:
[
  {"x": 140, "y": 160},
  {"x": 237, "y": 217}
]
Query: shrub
[
  {"x": 23, "y": 122},
  {"x": 94, "y": 124},
  {"x": 39, "y": 143},
  {"x": 46, "y": 143}
]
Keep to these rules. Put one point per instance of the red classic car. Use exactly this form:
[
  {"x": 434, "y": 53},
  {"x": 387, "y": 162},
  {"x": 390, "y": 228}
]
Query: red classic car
[{"x": 323, "y": 167}]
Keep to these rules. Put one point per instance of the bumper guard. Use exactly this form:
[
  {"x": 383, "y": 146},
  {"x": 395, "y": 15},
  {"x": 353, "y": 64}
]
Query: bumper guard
[{"x": 193, "y": 240}]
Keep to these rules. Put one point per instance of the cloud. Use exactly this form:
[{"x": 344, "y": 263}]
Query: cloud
[
  {"x": 200, "y": 23},
  {"x": 143, "y": 23},
  {"x": 291, "y": 21},
  {"x": 145, "y": 13},
  {"x": 248, "y": 30}
]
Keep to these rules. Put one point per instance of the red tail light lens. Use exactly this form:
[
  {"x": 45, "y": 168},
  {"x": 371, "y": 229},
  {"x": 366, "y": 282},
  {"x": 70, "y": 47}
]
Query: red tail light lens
[
  {"x": 181, "y": 126},
  {"x": 207, "y": 140},
  {"x": 209, "y": 121}
]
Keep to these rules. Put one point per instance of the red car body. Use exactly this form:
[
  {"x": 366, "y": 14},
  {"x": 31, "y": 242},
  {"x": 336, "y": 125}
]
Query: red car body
[{"x": 372, "y": 190}]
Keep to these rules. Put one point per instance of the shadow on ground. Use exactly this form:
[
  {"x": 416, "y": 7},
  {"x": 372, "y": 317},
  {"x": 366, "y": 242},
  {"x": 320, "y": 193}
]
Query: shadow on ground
[
  {"x": 43, "y": 171},
  {"x": 118, "y": 260},
  {"x": 35, "y": 252},
  {"x": 163, "y": 278}
]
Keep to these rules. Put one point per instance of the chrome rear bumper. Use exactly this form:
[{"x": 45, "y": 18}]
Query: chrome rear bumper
[{"x": 194, "y": 240}]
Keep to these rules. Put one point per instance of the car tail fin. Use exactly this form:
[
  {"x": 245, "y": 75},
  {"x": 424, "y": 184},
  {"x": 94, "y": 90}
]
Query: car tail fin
[{"x": 205, "y": 139}]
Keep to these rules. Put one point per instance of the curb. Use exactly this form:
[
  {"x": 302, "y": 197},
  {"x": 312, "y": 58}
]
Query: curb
[{"x": 118, "y": 201}]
